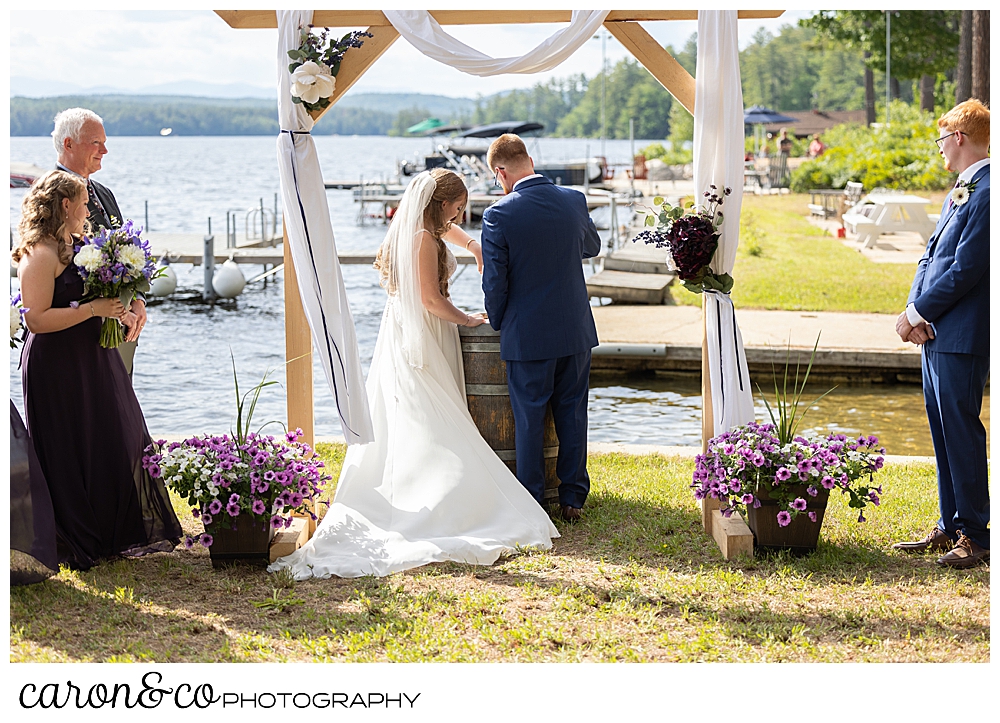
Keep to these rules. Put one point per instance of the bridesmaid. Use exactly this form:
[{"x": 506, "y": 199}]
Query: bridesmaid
[{"x": 81, "y": 413}]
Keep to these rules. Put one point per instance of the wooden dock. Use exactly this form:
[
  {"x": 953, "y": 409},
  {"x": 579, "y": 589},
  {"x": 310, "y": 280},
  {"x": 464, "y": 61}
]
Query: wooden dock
[
  {"x": 633, "y": 274},
  {"x": 180, "y": 248}
]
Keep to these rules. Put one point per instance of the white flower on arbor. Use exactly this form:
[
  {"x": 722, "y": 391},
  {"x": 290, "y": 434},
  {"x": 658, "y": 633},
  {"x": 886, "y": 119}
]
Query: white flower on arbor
[{"x": 312, "y": 81}]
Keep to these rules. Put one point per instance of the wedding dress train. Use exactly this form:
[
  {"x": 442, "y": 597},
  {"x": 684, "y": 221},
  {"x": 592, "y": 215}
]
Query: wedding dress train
[{"x": 429, "y": 488}]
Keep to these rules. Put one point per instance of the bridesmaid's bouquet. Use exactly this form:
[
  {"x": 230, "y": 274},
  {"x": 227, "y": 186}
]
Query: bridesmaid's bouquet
[
  {"x": 17, "y": 311},
  {"x": 115, "y": 263}
]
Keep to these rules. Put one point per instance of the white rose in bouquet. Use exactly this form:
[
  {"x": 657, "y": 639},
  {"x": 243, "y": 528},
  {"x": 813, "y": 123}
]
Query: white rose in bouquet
[
  {"x": 89, "y": 257},
  {"x": 312, "y": 81}
]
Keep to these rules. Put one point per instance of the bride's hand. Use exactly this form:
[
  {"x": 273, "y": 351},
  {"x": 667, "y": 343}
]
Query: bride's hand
[
  {"x": 475, "y": 320},
  {"x": 477, "y": 250}
]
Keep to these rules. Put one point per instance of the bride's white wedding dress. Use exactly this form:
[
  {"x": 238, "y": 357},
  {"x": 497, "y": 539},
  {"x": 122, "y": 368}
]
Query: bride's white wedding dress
[{"x": 429, "y": 488}]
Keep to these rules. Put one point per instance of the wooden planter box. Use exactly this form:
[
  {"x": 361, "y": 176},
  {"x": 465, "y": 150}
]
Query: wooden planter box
[
  {"x": 245, "y": 540},
  {"x": 800, "y": 536}
]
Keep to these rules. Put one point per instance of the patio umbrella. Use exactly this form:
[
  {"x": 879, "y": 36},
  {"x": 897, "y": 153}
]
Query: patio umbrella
[
  {"x": 425, "y": 125},
  {"x": 758, "y": 116}
]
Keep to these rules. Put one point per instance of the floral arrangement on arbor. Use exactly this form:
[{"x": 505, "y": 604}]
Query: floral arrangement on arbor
[
  {"x": 17, "y": 312},
  {"x": 316, "y": 63},
  {"x": 740, "y": 463},
  {"x": 691, "y": 235},
  {"x": 244, "y": 472},
  {"x": 115, "y": 263}
]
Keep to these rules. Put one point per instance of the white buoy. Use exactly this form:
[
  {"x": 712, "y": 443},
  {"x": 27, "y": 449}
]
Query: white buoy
[
  {"x": 229, "y": 281},
  {"x": 166, "y": 131},
  {"x": 164, "y": 285}
]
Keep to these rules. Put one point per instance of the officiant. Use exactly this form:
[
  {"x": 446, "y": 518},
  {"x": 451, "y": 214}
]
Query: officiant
[{"x": 80, "y": 143}]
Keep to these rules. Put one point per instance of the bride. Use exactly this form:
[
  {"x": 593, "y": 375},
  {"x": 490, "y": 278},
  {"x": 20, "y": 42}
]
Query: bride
[{"x": 429, "y": 488}]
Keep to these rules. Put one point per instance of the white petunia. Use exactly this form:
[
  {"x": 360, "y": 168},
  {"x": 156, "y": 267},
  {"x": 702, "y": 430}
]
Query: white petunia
[
  {"x": 312, "y": 81},
  {"x": 132, "y": 256},
  {"x": 89, "y": 257},
  {"x": 15, "y": 321}
]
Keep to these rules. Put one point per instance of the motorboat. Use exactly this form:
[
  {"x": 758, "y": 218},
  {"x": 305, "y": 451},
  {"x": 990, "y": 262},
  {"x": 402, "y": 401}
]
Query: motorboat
[{"x": 22, "y": 175}]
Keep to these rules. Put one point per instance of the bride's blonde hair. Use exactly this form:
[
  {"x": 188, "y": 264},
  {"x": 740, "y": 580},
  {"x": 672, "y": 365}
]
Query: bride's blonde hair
[{"x": 449, "y": 187}]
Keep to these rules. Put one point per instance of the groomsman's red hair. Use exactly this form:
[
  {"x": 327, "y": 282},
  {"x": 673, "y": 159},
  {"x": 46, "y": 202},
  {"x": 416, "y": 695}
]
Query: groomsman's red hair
[{"x": 971, "y": 118}]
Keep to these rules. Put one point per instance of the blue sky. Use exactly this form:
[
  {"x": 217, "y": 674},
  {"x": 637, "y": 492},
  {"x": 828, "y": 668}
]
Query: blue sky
[{"x": 130, "y": 49}]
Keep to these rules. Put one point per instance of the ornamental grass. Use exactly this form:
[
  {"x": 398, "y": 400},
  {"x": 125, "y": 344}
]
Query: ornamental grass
[{"x": 637, "y": 580}]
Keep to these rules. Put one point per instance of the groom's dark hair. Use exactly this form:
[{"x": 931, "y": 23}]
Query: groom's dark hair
[{"x": 508, "y": 149}]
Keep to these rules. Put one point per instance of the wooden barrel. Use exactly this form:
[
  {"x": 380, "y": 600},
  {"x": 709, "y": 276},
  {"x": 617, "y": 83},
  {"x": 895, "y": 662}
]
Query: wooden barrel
[{"x": 489, "y": 402}]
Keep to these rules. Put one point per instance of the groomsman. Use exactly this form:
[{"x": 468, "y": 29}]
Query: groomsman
[
  {"x": 948, "y": 313},
  {"x": 534, "y": 242},
  {"x": 80, "y": 140}
]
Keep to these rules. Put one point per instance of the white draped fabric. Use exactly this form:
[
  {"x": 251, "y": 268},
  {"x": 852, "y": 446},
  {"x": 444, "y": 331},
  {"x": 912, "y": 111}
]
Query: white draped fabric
[
  {"x": 313, "y": 249},
  {"x": 424, "y": 33},
  {"x": 718, "y": 159}
]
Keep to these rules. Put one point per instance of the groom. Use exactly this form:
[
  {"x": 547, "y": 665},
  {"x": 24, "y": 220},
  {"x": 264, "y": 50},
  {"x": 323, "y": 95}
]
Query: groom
[
  {"x": 948, "y": 312},
  {"x": 534, "y": 242}
]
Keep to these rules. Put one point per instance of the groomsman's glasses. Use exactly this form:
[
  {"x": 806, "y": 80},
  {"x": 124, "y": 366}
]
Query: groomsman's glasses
[
  {"x": 940, "y": 140},
  {"x": 496, "y": 175}
]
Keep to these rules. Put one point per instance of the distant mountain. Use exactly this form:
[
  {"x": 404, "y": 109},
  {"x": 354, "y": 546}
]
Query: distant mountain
[
  {"x": 442, "y": 106},
  {"x": 32, "y": 88}
]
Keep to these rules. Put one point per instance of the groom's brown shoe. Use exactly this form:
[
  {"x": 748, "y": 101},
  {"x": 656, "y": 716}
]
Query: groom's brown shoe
[
  {"x": 966, "y": 553},
  {"x": 937, "y": 539},
  {"x": 571, "y": 514}
]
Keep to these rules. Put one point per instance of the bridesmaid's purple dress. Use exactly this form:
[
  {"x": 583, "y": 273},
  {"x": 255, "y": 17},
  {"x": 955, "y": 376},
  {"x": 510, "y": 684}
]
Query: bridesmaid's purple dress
[{"x": 89, "y": 435}]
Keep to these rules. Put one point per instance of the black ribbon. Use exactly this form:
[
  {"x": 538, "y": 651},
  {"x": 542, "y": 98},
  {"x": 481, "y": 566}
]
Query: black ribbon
[{"x": 319, "y": 291}]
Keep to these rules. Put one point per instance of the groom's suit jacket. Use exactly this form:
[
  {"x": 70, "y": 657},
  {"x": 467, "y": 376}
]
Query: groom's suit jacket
[
  {"x": 534, "y": 242},
  {"x": 951, "y": 289}
]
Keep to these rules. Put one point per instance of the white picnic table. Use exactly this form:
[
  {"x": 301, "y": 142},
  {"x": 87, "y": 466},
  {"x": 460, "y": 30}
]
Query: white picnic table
[{"x": 880, "y": 213}]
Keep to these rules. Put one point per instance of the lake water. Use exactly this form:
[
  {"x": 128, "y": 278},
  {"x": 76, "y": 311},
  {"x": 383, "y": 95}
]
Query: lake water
[{"x": 183, "y": 370}]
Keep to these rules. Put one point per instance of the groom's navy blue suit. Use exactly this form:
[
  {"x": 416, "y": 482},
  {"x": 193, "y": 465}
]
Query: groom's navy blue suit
[
  {"x": 534, "y": 241},
  {"x": 951, "y": 291}
]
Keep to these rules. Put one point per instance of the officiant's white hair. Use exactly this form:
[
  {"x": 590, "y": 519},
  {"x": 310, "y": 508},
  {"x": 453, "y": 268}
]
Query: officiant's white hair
[{"x": 69, "y": 123}]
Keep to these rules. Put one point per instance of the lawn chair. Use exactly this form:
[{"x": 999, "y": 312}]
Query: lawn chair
[
  {"x": 777, "y": 173},
  {"x": 859, "y": 217}
]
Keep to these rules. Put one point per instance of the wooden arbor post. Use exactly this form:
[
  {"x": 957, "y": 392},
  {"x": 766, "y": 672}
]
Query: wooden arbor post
[{"x": 622, "y": 24}]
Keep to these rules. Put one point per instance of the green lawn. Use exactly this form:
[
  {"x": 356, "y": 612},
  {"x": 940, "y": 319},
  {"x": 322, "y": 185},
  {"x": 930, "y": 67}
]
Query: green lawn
[
  {"x": 802, "y": 267},
  {"x": 637, "y": 580}
]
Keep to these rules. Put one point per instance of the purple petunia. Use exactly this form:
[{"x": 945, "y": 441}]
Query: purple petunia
[
  {"x": 258, "y": 507},
  {"x": 747, "y": 499},
  {"x": 812, "y": 491},
  {"x": 206, "y": 519},
  {"x": 783, "y": 474},
  {"x": 233, "y": 509},
  {"x": 276, "y": 522},
  {"x": 215, "y": 507},
  {"x": 207, "y": 540},
  {"x": 812, "y": 516},
  {"x": 799, "y": 504},
  {"x": 784, "y": 518}
]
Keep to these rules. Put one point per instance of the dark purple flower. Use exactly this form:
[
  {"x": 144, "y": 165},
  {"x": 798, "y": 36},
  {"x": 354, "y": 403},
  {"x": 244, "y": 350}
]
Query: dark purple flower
[
  {"x": 276, "y": 522},
  {"x": 233, "y": 509},
  {"x": 812, "y": 491},
  {"x": 827, "y": 482},
  {"x": 188, "y": 542},
  {"x": 258, "y": 507},
  {"x": 195, "y": 512},
  {"x": 784, "y": 518},
  {"x": 154, "y": 471},
  {"x": 799, "y": 504},
  {"x": 215, "y": 507},
  {"x": 206, "y": 519},
  {"x": 207, "y": 540}
]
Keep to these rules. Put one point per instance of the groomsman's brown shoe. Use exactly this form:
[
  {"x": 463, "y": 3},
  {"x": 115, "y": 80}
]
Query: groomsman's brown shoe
[
  {"x": 571, "y": 514},
  {"x": 937, "y": 539},
  {"x": 966, "y": 553}
]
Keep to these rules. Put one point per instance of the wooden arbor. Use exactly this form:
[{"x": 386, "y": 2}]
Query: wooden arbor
[{"x": 622, "y": 24}]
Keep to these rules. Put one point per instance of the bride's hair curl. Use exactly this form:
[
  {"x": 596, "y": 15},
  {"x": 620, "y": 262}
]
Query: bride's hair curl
[
  {"x": 449, "y": 187},
  {"x": 43, "y": 220}
]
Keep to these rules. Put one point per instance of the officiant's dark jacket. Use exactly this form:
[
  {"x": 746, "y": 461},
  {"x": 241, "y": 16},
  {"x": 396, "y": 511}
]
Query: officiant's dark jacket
[
  {"x": 534, "y": 241},
  {"x": 98, "y": 219}
]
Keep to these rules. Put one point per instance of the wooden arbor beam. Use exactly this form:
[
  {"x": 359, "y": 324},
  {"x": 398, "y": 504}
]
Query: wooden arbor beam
[
  {"x": 353, "y": 18},
  {"x": 654, "y": 57}
]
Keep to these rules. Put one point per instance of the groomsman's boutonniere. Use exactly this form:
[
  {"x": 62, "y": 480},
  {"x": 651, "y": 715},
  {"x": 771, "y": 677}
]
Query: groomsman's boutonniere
[{"x": 960, "y": 194}]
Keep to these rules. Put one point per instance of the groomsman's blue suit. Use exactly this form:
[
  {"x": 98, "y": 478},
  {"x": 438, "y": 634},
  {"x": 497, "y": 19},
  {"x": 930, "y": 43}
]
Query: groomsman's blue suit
[
  {"x": 951, "y": 290},
  {"x": 534, "y": 241}
]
